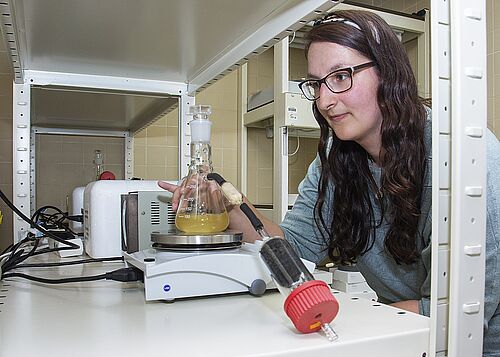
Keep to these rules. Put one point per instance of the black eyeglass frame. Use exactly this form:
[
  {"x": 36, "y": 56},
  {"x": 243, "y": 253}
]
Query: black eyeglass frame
[{"x": 351, "y": 70}]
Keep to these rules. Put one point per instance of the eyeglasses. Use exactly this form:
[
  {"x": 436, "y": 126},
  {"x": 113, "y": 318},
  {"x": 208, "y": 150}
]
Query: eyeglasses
[{"x": 337, "y": 81}]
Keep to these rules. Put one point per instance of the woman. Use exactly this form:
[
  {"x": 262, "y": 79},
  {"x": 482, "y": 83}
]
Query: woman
[{"x": 366, "y": 198}]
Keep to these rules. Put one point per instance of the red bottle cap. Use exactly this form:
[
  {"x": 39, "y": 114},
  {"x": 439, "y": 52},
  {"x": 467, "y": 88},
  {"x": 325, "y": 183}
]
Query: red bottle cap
[
  {"x": 107, "y": 175},
  {"x": 311, "y": 305}
]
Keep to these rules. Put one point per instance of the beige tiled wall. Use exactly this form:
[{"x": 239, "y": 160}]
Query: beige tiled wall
[
  {"x": 156, "y": 147},
  {"x": 297, "y": 64},
  {"x": 260, "y": 167},
  {"x": 260, "y": 72},
  {"x": 260, "y": 164},
  {"x": 260, "y": 147},
  {"x": 64, "y": 162},
  {"x": 224, "y": 100},
  {"x": 298, "y": 163},
  {"x": 260, "y": 69}
]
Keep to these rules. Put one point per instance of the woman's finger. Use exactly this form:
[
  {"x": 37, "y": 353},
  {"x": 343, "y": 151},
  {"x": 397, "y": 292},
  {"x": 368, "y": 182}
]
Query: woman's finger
[
  {"x": 168, "y": 186},
  {"x": 175, "y": 190}
]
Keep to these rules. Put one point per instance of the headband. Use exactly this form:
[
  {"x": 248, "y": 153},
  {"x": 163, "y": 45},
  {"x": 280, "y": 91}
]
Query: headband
[
  {"x": 332, "y": 19},
  {"x": 327, "y": 20}
]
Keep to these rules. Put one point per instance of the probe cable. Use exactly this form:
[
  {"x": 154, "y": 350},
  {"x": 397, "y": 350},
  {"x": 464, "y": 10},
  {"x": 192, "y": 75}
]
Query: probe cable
[
  {"x": 39, "y": 211},
  {"x": 16, "y": 256},
  {"x": 56, "y": 219},
  {"x": 72, "y": 262},
  {"x": 13, "y": 255},
  {"x": 129, "y": 274}
]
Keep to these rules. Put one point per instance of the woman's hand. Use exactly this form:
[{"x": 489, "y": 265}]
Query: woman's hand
[
  {"x": 175, "y": 190},
  {"x": 238, "y": 221},
  {"x": 196, "y": 185}
]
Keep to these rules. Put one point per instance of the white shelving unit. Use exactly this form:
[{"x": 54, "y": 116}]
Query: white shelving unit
[
  {"x": 459, "y": 203},
  {"x": 160, "y": 48},
  {"x": 176, "y": 48}
]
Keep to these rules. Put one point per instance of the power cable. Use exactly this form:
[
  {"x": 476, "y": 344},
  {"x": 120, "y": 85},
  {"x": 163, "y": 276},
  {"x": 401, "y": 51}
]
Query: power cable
[
  {"x": 129, "y": 274},
  {"x": 73, "y": 262}
]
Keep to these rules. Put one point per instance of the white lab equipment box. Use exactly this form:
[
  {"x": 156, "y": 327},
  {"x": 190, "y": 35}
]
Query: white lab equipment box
[
  {"x": 77, "y": 208},
  {"x": 102, "y": 214},
  {"x": 144, "y": 212}
]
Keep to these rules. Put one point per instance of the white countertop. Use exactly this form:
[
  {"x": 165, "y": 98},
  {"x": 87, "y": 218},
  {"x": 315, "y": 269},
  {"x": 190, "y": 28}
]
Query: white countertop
[{"x": 106, "y": 318}]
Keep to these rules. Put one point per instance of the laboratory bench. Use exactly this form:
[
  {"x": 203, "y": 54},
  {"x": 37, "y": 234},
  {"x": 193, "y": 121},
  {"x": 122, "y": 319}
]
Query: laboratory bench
[{"x": 107, "y": 318}]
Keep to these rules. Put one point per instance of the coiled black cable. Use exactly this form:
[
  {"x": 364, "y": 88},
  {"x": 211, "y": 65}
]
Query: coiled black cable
[{"x": 18, "y": 254}]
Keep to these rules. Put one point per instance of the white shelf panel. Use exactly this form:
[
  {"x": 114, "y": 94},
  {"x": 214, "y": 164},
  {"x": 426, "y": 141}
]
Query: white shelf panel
[
  {"x": 111, "y": 318},
  {"x": 178, "y": 41},
  {"x": 157, "y": 46}
]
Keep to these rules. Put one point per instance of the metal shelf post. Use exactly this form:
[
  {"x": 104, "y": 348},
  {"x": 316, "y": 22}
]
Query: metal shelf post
[
  {"x": 21, "y": 170},
  {"x": 468, "y": 177},
  {"x": 459, "y": 158}
]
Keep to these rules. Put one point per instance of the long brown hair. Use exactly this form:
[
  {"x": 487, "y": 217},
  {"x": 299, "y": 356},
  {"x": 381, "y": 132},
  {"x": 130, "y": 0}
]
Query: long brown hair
[{"x": 350, "y": 232}]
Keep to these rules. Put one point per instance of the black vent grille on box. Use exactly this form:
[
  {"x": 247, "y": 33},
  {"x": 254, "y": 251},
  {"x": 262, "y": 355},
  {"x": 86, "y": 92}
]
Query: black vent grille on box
[
  {"x": 155, "y": 213},
  {"x": 170, "y": 214}
]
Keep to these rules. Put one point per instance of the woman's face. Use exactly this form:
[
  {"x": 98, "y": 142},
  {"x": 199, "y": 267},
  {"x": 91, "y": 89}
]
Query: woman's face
[{"x": 355, "y": 114}]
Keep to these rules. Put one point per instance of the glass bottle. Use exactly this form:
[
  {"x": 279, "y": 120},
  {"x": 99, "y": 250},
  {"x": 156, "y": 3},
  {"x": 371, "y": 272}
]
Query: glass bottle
[
  {"x": 201, "y": 207},
  {"x": 309, "y": 303}
]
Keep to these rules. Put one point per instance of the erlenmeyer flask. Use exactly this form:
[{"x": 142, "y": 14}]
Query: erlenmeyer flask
[{"x": 201, "y": 207}]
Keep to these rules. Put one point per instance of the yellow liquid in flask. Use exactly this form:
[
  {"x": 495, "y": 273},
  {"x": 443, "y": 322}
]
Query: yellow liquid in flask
[{"x": 204, "y": 223}]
